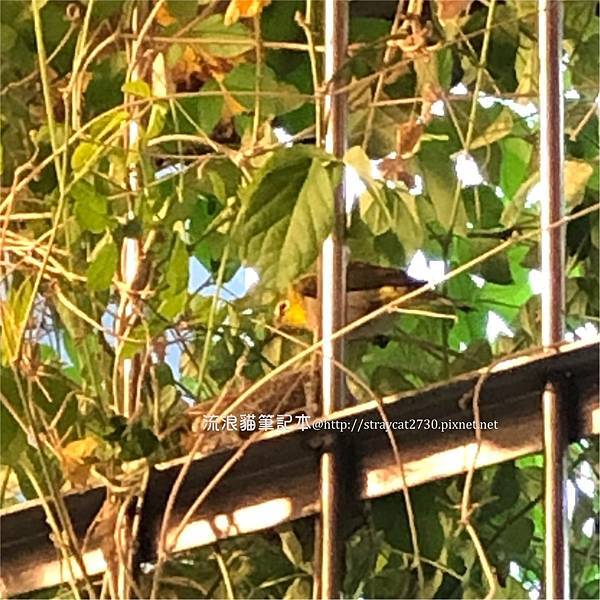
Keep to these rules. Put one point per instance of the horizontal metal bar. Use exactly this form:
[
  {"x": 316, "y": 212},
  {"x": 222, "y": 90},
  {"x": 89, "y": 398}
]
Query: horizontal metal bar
[{"x": 277, "y": 479}]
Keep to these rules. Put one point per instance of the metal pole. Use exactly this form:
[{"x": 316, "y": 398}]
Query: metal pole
[
  {"x": 552, "y": 266},
  {"x": 332, "y": 288}
]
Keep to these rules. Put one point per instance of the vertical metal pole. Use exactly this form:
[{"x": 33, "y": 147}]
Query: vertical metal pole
[
  {"x": 552, "y": 265},
  {"x": 333, "y": 292}
]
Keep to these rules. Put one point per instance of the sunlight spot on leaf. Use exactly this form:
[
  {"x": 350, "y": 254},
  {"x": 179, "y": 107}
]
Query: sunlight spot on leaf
[
  {"x": 487, "y": 101},
  {"x": 571, "y": 499},
  {"x": 420, "y": 268},
  {"x": 572, "y": 94},
  {"x": 108, "y": 322},
  {"x": 169, "y": 170},
  {"x": 467, "y": 170},
  {"x": 478, "y": 280},
  {"x": 515, "y": 571},
  {"x": 496, "y": 326},
  {"x": 536, "y": 282},
  {"x": 438, "y": 109},
  {"x": 534, "y": 195},
  {"x": 417, "y": 188},
  {"x": 523, "y": 110},
  {"x": 251, "y": 277},
  {"x": 173, "y": 352},
  {"x": 534, "y": 593},
  {"x": 282, "y": 136},
  {"x": 459, "y": 89},
  {"x": 198, "y": 275},
  {"x": 586, "y": 485},
  {"x": 587, "y": 331},
  {"x": 355, "y": 186},
  {"x": 588, "y": 527}
]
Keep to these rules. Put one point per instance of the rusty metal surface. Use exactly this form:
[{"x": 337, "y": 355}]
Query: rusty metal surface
[
  {"x": 332, "y": 288},
  {"x": 277, "y": 479},
  {"x": 552, "y": 250}
]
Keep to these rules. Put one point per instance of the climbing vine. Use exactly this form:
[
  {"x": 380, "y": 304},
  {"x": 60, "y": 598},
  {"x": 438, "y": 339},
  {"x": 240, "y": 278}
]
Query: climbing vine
[{"x": 187, "y": 134}]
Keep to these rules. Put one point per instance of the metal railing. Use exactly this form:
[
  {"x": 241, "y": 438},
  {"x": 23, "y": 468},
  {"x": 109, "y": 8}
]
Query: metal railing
[{"x": 305, "y": 466}]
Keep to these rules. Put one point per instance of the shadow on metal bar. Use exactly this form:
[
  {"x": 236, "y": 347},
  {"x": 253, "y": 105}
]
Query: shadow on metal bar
[{"x": 277, "y": 479}]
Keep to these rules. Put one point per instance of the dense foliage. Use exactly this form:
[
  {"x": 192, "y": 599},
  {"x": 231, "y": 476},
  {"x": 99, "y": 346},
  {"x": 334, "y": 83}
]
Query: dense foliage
[{"x": 192, "y": 130}]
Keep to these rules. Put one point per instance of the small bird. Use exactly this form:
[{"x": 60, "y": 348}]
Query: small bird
[{"x": 368, "y": 287}]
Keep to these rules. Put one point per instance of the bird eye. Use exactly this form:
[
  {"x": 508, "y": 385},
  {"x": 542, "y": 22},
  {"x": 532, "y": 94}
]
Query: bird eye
[{"x": 282, "y": 308}]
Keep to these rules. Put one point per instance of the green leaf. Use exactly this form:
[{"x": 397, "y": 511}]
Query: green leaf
[
  {"x": 102, "y": 264},
  {"x": 516, "y": 156},
  {"x": 440, "y": 185},
  {"x": 291, "y": 546},
  {"x": 214, "y": 28},
  {"x": 14, "y": 312},
  {"x": 498, "y": 129},
  {"x": 580, "y": 20},
  {"x": 495, "y": 269},
  {"x": 156, "y": 121},
  {"x": 184, "y": 10},
  {"x": 172, "y": 305},
  {"x": 178, "y": 271},
  {"x": 385, "y": 122},
  {"x": 91, "y": 208},
  {"x": 84, "y": 155},
  {"x": 138, "y": 442},
  {"x": 514, "y": 209},
  {"x": 137, "y": 88},
  {"x": 507, "y": 299},
  {"x": 8, "y": 37},
  {"x": 299, "y": 589},
  {"x": 445, "y": 64},
  {"x": 517, "y": 536},
  {"x": 357, "y": 158},
  {"x": 108, "y": 123},
  {"x": 389, "y": 516},
  {"x": 483, "y": 206},
  {"x": 375, "y": 212},
  {"x": 585, "y": 65},
  {"x": 576, "y": 177},
  {"x": 288, "y": 214},
  {"x": 283, "y": 98},
  {"x": 13, "y": 440},
  {"x": 503, "y": 43},
  {"x": 135, "y": 343},
  {"x": 209, "y": 108},
  {"x": 478, "y": 354},
  {"x": 527, "y": 66},
  {"x": 384, "y": 209},
  {"x": 504, "y": 491}
]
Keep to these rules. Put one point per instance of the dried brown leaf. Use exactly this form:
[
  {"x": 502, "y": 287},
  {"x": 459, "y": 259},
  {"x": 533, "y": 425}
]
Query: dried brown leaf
[
  {"x": 451, "y": 9},
  {"x": 243, "y": 9}
]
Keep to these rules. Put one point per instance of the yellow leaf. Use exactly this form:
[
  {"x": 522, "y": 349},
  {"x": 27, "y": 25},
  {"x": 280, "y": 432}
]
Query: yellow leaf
[
  {"x": 243, "y": 9},
  {"x": 498, "y": 129},
  {"x": 164, "y": 17},
  {"x": 186, "y": 66},
  {"x": 14, "y": 318},
  {"x": 77, "y": 458}
]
